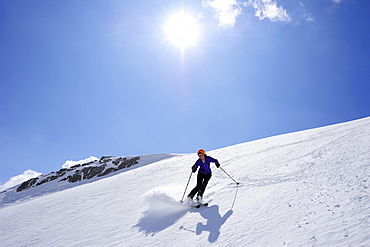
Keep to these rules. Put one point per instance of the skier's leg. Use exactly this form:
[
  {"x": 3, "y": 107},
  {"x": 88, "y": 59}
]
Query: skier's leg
[
  {"x": 206, "y": 178},
  {"x": 200, "y": 180},
  {"x": 197, "y": 187},
  {"x": 193, "y": 192}
]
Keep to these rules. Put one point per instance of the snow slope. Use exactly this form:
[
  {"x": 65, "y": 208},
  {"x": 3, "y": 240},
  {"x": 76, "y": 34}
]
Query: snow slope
[{"x": 309, "y": 188}]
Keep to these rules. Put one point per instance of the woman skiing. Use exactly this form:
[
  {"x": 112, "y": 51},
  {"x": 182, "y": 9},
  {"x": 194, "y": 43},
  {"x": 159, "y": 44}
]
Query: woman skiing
[{"x": 204, "y": 173}]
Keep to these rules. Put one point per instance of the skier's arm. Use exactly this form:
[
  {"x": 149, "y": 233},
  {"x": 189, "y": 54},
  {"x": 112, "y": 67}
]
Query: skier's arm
[
  {"x": 213, "y": 160},
  {"x": 195, "y": 166}
]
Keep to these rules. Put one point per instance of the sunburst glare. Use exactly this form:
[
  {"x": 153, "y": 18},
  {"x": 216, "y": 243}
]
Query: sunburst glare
[{"x": 182, "y": 30}]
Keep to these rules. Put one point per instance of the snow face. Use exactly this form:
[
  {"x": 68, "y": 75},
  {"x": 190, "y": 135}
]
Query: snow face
[
  {"x": 309, "y": 188},
  {"x": 70, "y": 163},
  {"x": 16, "y": 180}
]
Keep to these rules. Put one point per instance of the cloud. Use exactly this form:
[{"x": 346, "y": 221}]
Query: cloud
[
  {"x": 13, "y": 181},
  {"x": 268, "y": 9},
  {"x": 226, "y": 11},
  {"x": 337, "y": 1},
  {"x": 70, "y": 163},
  {"x": 306, "y": 16}
]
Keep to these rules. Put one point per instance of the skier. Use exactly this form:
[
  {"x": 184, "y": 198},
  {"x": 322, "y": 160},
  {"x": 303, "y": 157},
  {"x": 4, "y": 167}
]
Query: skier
[{"x": 204, "y": 174}]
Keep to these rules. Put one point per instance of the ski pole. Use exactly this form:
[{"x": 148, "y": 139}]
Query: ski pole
[
  {"x": 186, "y": 188},
  {"x": 229, "y": 175}
]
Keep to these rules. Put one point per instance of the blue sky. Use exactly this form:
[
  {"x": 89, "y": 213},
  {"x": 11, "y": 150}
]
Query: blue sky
[{"x": 92, "y": 78}]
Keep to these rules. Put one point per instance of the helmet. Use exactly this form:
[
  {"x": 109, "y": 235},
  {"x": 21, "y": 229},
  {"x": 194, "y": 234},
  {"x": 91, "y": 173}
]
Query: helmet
[{"x": 201, "y": 151}]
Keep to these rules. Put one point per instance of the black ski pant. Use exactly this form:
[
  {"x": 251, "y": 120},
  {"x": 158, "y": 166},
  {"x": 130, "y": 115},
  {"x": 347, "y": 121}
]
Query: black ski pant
[{"x": 202, "y": 181}]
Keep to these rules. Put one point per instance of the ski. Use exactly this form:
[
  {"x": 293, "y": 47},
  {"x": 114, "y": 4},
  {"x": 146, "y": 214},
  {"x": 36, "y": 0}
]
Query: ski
[{"x": 201, "y": 205}]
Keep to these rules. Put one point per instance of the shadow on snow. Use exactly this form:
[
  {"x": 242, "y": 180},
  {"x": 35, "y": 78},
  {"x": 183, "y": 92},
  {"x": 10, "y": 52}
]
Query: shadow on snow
[{"x": 214, "y": 222}]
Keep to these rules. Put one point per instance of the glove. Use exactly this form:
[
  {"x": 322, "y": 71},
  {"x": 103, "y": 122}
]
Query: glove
[
  {"x": 218, "y": 165},
  {"x": 194, "y": 168}
]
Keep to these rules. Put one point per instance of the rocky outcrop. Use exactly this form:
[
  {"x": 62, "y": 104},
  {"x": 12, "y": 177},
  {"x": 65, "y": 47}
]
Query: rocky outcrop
[
  {"x": 98, "y": 168},
  {"x": 27, "y": 184}
]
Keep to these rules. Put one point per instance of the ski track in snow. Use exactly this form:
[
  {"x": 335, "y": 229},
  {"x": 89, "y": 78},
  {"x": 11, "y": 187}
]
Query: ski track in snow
[{"x": 309, "y": 188}]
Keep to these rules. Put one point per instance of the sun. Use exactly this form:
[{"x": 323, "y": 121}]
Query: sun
[{"x": 182, "y": 30}]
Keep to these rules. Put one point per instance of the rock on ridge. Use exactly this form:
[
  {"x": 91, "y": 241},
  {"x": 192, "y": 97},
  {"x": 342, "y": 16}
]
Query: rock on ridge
[{"x": 98, "y": 168}]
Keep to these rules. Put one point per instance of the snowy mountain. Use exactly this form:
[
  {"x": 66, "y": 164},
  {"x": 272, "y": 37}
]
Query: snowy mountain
[{"x": 309, "y": 188}]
